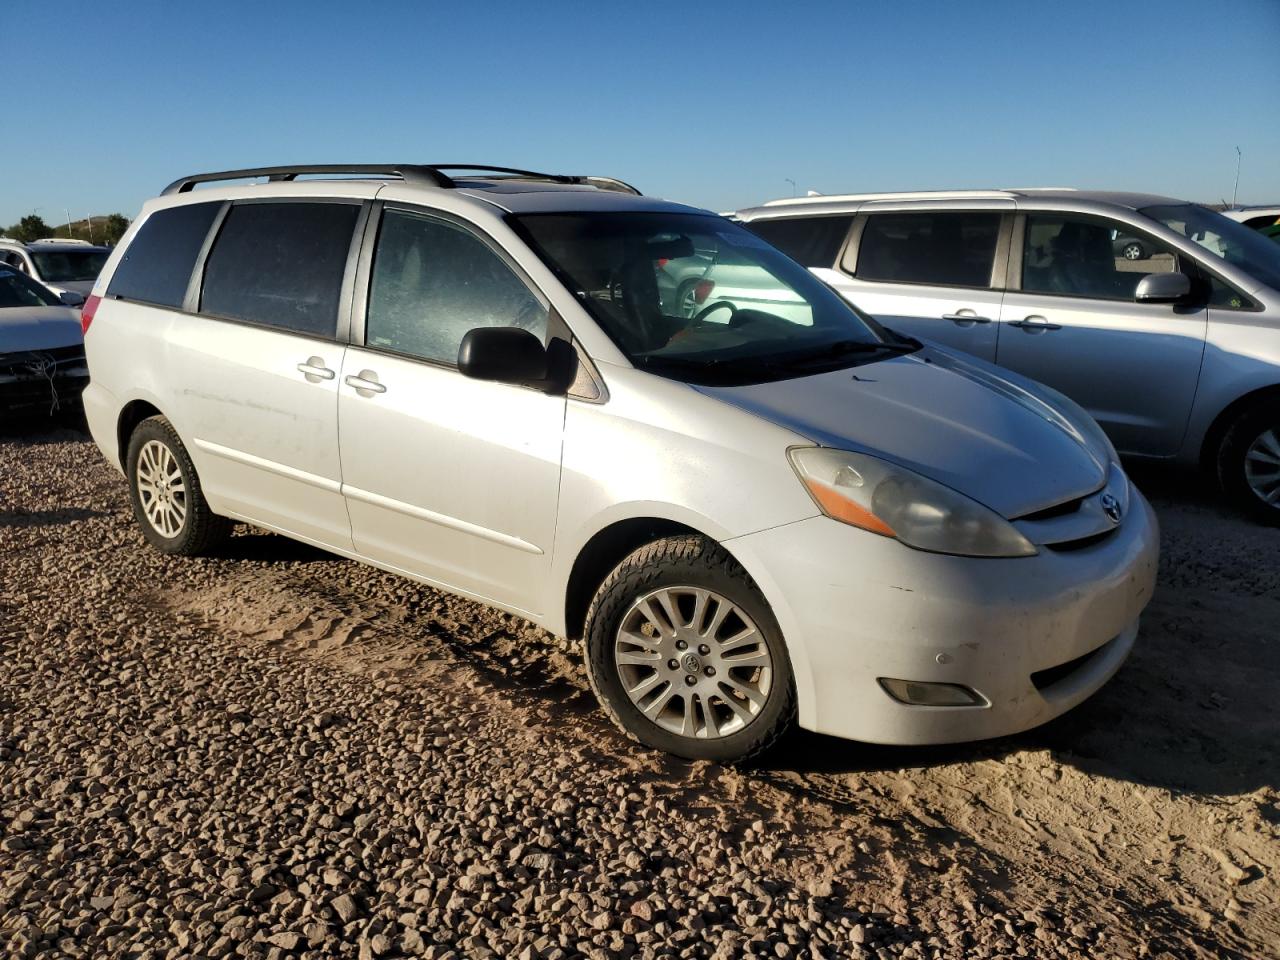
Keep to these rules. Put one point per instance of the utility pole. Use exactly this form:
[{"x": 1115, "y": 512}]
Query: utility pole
[
  {"x": 793, "y": 185},
  {"x": 67, "y": 211},
  {"x": 90, "y": 218},
  {"x": 1235, "y": 190}
]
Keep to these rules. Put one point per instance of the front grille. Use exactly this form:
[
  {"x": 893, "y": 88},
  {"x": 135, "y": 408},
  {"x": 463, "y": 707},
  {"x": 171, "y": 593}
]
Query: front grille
[
  {"x": 42, "y": 378},
  {"x": 1043, "y": 679},
  {"x": 18, "y": 363},
  {"x": 1067, "y": 546},
  {"x": 1058, "y": 510}
]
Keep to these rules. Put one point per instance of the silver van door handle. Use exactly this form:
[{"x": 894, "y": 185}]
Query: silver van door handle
[
  {"x": 1035, "y": 324},
  {"x": 315, "y": 370},
  {"x": 366, "y": 383},
  {"x": 965, "y": 317}
]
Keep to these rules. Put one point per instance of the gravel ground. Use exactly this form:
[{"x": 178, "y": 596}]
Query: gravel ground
[{"x": 277, "y": 753}]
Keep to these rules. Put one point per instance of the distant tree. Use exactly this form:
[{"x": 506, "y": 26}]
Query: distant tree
[
  {"x": 114, "y": 229},
  {"x": 31, "y": 227}
]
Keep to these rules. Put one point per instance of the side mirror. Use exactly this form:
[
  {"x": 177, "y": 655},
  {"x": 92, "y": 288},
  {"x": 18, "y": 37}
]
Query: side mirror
[
  {"x": 504, "y": 354},
  {"x": 1163, "y": 288},
  {"x": 71, "y": 299}
]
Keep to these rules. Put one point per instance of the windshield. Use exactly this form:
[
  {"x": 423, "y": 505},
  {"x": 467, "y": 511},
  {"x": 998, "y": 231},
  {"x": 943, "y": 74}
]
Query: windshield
[
  {"x": 1224, "y": 238},
  {"x": 18, "y": 290},
  {"x": 699, "y": 299},
  {"x": 66, "y": 266}
]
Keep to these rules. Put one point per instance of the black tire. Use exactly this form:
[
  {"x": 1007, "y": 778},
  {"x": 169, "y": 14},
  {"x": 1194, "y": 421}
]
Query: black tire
[
  {"x": 696, "y": 562},
  {"x": 1136, "y": 248},
  {"x": 201, "y": 528},
  {"x": 1232, "y": 467}
]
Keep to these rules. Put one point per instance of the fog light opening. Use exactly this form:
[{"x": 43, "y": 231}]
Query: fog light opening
[{"x": 918, "y": 693}]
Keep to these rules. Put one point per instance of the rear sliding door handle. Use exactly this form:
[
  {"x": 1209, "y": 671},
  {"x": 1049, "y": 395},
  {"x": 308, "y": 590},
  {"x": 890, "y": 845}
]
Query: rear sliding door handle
[
  {"x": 315, "y": 370},
  {"x": 1035, "y": 324},
  {"x": 965, "y": 317},
  {"x": 366, "y": 383}
]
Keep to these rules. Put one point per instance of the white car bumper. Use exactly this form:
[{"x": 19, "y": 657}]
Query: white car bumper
[
  {"x": 101, "y": 410},
  {"x": 855, "y": 608}
]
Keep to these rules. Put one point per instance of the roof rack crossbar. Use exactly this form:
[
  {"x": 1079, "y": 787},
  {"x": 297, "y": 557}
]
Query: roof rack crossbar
[
  {"x": 430, "y": 174},
  {"x": 603, "y": 183}
]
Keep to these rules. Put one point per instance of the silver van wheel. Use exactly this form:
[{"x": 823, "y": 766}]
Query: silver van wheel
[
  {"x": 161, "y": 489},
  {"x": 1262, "y": 467},
  {"x": 693, "y": 662}
]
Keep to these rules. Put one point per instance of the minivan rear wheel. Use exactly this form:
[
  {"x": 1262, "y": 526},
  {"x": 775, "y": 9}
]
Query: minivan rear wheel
[
  {"x": 165, "y": 491},
  {"x": 686, "y": 656},
  {"x": 1249, "y": 461}
]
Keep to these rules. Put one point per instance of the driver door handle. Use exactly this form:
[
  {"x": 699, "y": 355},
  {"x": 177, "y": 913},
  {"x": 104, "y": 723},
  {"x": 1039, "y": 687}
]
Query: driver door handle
[
  {"x": 965, "y": 317},
  {"x": 366, "y": 383},
  {"x": 315, "y": 370},
  {"x": 1035, "y": 324}
]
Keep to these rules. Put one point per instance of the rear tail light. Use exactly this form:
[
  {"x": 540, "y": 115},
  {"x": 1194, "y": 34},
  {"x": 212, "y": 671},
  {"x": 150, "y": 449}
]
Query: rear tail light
[
  {"x": 703, "y": 290},
  {"x": 87, "y": 311}
]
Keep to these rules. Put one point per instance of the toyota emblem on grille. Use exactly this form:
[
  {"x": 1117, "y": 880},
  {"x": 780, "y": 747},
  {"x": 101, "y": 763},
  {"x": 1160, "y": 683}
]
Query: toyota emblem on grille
[{"x": 1111, "y": 507}]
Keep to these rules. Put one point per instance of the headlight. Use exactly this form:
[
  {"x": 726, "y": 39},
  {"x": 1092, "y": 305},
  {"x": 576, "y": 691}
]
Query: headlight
[{"x": 876, "y": 495}]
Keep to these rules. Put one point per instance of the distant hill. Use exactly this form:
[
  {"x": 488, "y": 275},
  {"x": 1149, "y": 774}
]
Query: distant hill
[{"x": 106, "y": 229}]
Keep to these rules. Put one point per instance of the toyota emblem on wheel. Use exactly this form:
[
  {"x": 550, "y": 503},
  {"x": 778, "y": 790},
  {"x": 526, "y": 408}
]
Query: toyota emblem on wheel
[{"x": 1111, "y": 507}]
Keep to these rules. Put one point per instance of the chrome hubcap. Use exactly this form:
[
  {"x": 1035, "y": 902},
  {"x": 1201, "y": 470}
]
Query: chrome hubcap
[
  {"x": 693, "y": 662},
  {"x": 161, "y": 489},
  {"x": 1262, "y": 467}
]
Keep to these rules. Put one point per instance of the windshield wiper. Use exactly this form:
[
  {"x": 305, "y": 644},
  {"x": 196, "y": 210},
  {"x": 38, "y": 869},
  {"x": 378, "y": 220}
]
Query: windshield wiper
[{"x": 841, "y": 348}]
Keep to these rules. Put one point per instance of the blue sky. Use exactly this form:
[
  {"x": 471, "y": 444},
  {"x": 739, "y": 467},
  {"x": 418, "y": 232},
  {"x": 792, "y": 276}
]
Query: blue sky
[{"x": 715, "y": 104}]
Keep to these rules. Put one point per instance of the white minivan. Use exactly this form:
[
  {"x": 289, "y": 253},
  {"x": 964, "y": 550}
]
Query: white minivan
[{"x": 470, "y": 376}]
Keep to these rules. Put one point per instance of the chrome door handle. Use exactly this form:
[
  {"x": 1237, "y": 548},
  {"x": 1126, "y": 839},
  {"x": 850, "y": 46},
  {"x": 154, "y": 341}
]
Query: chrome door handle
[
  {"x": 366, "y": 383},
  {"x": 965, "y": 318},
  {"x": 1035, "y": 324},
  {"x": 315, "y": 370}
]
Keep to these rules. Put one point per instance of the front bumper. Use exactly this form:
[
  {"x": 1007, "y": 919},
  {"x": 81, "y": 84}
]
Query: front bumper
[
  {"x": 855, "y": 607},
  {"x": 48, "y": 379}
]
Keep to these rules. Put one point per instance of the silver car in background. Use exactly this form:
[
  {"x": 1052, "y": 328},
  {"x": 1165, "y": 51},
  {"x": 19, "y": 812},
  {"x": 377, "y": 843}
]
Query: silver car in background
[
  {"x": 67, "y": 267},
  {"x": 1176, "y": 353}
]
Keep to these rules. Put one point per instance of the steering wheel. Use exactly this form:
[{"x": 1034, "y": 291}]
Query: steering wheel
[{"x": 710, "y": 308}]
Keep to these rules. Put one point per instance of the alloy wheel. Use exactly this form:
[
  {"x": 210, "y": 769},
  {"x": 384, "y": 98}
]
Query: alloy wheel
[
  {"x": 693, "y": 662},
  {"x": 1262, "y": 467},
  {"x": 161, "y": 489}
]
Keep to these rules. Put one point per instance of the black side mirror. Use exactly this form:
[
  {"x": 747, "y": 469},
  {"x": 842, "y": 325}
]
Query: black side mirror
[
  {"x": 1163, "y": 288},
  {"x": 71, "y": 299},
  {"x": 504, "y": 354}
]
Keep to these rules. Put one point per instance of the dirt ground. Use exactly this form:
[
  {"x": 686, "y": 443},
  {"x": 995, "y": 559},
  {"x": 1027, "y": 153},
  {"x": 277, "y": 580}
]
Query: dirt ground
[{"x": 1144, "y": 823}]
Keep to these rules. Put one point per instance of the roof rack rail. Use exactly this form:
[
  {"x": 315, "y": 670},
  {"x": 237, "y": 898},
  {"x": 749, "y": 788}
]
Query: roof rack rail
[
  {"x": 409, "y": 172},
  {"x": 419, "y": 173}
]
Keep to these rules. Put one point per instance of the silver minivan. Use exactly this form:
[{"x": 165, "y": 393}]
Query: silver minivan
[{"x": 1175, "y": 352}]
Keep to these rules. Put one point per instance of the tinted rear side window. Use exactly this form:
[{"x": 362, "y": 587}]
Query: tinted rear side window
[
  {"x": 944, "y": 249},
  {"x": 280, "y": 264},
  {"x": 809, "y": 241},
  {"x": 157, "y": 264}
]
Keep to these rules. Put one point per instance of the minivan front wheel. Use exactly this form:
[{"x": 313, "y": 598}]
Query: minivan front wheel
[
  {"x": 1249, "y": 461},
  {"x": 686, "y": 656},
  {"x": 165, "y": 492}
]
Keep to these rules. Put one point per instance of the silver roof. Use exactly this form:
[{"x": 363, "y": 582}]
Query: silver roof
[
  {"x": 844, "y": 203},
  {"x": 44, "y": 246},
  {"x": 534, "y": 196}
]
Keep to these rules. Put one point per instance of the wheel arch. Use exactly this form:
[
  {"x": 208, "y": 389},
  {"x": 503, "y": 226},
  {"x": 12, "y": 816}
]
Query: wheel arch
[
  {"x": 1217, "y": 431},
  {"x": 609, "y": 545},
  {"x": 603, "y": 551},
  {"x": 131, "y": 414}
]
